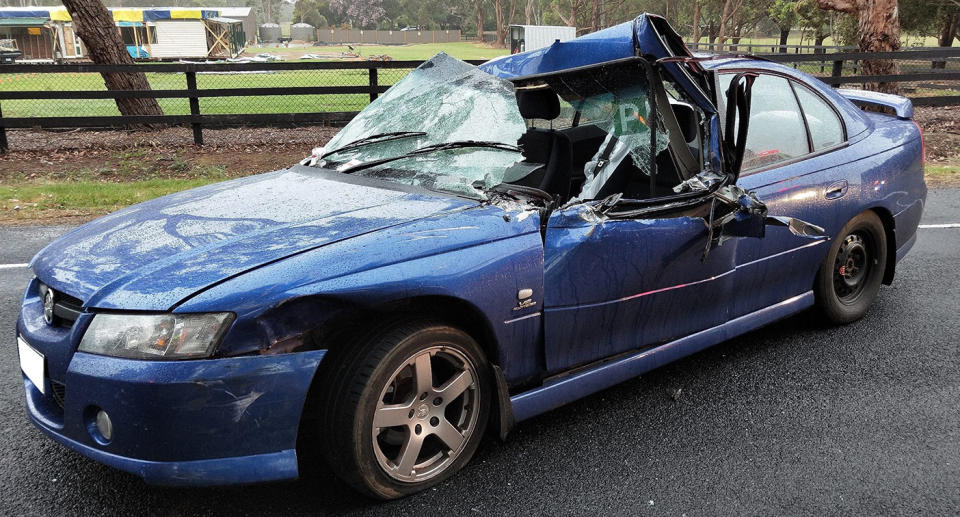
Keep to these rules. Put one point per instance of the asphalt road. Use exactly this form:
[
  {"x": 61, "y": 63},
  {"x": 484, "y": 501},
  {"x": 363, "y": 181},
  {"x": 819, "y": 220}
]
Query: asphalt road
[{"x": 796, "y": 418}]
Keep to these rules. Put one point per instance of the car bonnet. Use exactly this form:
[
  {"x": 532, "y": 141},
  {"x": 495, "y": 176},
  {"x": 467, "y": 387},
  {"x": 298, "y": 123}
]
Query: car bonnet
[{"x": 154, "y": 255}]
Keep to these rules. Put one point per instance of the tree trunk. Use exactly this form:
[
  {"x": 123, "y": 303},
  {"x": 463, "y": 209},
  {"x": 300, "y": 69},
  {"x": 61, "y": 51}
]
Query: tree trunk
[
  {"x": 569, "y": 21},
  {"x": 784, "y": 37},
  {"x": 878, "y": 30},
  {"x": 818, "y": 41},
  {"x": 480, "y": 21},
  {"x": 595, "y": 17},
  {"x": 696, "y": 22},
  {"x": 730, "y": 8},
  {"x": 947, "y": 32},
  {"x": 94, "y": 25},
  {"x": 528, "y": 11},
  {"x": 501, "y": 28}
]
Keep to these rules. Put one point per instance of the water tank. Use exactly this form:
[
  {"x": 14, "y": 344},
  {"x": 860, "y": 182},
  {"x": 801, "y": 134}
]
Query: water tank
[
  {"x": 303, "y": 32},
  {"x": 270, "y": 33}
]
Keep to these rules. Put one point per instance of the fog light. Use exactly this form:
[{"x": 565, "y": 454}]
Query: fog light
[{"x": 104, "y": 425}]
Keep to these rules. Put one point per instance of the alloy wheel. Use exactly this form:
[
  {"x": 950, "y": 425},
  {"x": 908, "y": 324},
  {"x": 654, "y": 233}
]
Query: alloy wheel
[{"x": 426, "y": 414}]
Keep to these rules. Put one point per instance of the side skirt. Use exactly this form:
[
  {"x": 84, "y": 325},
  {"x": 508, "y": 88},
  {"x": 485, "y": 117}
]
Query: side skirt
[{"x": 567, "y": 389}]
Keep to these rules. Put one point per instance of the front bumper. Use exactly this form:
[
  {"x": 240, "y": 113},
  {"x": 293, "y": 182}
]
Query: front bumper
[{"x": 197, "y": 422}]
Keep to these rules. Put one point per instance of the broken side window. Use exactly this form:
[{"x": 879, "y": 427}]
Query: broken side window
[{"x": 616, "y": 99}]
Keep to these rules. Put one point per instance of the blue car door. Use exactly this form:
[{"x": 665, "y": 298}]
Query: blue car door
[
  {"x": 793, "y": 163},
  {"x": 613, "y": 285}
]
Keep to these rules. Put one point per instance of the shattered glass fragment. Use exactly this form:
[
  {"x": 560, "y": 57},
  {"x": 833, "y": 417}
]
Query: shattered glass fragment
[{"x": 616, "y": 101}]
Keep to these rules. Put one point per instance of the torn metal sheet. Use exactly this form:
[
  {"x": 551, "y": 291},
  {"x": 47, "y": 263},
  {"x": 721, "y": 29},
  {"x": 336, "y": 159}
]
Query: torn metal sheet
[
  {"x": 702, "y": 182},
  {"x": 798, "y": 227}
]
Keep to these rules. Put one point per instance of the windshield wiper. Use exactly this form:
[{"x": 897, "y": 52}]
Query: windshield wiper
[
  {"x": 462, "y": 144},
  {"x": 379, "y": 137}
]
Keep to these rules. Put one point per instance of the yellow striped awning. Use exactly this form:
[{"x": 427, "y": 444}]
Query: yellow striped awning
[
  {"x": 185, "y": 14},
  {"x": 127, "y": 15},
  {"x": 59, "y": 15}
]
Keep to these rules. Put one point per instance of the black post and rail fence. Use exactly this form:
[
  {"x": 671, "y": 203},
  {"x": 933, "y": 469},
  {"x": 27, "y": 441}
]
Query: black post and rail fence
[{"x": 921, "y": 79}]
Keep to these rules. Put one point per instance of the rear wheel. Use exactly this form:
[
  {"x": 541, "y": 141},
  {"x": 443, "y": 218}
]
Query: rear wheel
[
  {"x": 850, "y": 276},
  {"x": 406, "y": 409}
]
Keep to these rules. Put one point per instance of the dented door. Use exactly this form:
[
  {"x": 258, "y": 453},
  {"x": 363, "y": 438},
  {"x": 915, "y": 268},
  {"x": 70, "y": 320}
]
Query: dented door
[{"x": 614, "y": 285}]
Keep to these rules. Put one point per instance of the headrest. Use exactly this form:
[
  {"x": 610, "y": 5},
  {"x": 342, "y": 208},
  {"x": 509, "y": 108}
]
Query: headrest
[{"x": 540, "y": 103}]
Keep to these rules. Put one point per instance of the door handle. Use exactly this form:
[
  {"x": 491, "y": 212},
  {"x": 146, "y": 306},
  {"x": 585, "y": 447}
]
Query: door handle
[{"x": 836, "y": 190}]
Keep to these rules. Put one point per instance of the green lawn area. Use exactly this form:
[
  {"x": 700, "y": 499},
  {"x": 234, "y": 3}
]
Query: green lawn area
[
  {"x": 942, "y": 174},
  {"x": 87, "y": 197},
  {"x": 213, "y": 105},
  {"x": 284, "y": 103},
  {"x": 162, "y": 81}
]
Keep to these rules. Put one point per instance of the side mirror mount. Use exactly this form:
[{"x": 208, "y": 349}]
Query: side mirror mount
[{"x": 744, "y": 215}]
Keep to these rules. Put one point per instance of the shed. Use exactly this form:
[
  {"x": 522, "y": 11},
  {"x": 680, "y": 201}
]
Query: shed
[
  {"x": 225, "y": 37},
  {"x": 532, "y": 37},
  {"x": 34, "y": 37},
  {"x": 246, "y": 15}
]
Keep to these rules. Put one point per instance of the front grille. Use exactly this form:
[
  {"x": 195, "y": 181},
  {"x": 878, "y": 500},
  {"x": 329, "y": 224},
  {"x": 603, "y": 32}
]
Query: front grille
[
  {"x": 66, "y": 308},
  {"x": 58, "y": 391}
]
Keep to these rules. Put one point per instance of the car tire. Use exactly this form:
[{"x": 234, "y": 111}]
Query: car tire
[
  {"x": 403, "y": 386},
  {"x": 850, "y": 276}
]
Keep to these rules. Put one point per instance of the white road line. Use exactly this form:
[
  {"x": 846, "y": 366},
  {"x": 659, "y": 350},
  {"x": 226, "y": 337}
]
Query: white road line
[{"x": 12, "y": 266}]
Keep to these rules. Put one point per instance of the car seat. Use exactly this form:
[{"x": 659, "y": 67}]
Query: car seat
[{"x": 547, "y": 146}]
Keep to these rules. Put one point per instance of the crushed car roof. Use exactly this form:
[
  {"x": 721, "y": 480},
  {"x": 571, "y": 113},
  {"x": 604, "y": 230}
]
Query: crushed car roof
[{"x": 648, "y": 36}]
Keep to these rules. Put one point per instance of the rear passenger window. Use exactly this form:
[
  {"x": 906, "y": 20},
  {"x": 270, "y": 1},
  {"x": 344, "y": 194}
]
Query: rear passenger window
[
  {"x": 826, "y": 130},
  {"x": 776, "y": 133}
]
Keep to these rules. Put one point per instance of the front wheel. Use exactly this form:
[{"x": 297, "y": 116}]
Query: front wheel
[
  {"x": 850, "y": 276},
  {"x": 406, "y": 409}
]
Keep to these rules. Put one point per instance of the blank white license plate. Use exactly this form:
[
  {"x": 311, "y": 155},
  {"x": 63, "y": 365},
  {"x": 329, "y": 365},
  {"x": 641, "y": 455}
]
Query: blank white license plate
[{"x": 31, "y": 362}]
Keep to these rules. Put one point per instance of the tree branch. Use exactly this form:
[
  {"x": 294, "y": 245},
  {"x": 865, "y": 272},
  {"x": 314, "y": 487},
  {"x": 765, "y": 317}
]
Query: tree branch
[
  {"x": 565, "y": 20},
  {"x": 844, "y": 6}
]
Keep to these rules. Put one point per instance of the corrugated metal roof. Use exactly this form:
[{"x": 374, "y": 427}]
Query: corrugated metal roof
[
  {"x": 224, "y": 20},
  {"x": 22, "y": 22}
]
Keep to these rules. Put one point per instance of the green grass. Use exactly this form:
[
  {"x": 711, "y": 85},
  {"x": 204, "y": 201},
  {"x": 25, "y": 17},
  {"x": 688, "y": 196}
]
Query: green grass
[
  {"x": 949, "y": 173},
  {"x": 85, "y": 197},
  {"x": 211, "y": 105},
  {"x": 218, "y": 105}
]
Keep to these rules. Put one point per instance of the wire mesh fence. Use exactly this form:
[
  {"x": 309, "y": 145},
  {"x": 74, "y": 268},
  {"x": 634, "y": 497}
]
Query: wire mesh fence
[
  {"x": 926, "y": 87},
  {"x": 206, "y": 80},
  {"x": 287, "y": 93}
]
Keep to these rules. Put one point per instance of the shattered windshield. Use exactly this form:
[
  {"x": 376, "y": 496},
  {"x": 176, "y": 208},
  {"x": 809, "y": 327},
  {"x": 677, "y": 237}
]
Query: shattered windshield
[{"x": 443, "y": 100}]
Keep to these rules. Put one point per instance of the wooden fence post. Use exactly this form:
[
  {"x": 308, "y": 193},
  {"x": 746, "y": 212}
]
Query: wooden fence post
[
  {"x": 194, "y": 107},
  {"x": 4, "y": 146},
  {"x": 837, "y": 69},
  {"x": 373, "y": 84}
]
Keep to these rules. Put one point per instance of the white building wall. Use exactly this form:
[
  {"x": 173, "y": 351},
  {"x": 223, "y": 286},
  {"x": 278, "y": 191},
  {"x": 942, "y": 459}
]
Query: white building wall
[
  {"x": 539, "y": 36},
  {"x": 176, "y": 38}
]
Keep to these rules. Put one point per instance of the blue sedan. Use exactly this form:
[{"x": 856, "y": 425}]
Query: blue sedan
[{"x": 478, "y": 246}]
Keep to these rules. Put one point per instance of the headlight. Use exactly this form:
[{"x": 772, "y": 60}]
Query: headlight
[{"x": 155, "y": 336}]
